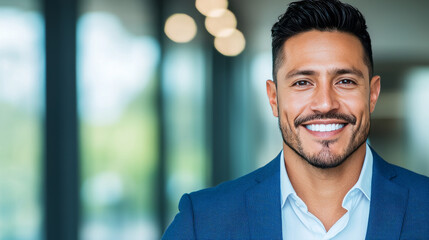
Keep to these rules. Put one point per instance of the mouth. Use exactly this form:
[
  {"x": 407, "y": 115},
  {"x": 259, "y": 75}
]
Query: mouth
[{"x": 325, "y": 127}]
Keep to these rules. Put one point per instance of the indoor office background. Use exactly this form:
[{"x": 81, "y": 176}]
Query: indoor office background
[{"x": 105, "y": 121}]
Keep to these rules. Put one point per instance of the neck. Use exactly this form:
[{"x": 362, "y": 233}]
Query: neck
[{"x": 323, "y": 190}]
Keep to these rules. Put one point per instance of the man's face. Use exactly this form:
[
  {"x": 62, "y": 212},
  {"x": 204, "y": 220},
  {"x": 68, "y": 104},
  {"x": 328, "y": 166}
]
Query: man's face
[{"x": 323, "y": 97}]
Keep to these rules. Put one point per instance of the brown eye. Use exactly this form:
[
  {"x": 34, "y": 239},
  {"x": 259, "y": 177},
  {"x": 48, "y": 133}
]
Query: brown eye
[
  {"x": 301, "y": 83},
  {"x": 346, "y": 82}
]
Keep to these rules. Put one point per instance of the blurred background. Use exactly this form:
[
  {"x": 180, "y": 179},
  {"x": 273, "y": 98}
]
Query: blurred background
[{"x": 111, "y": 110}]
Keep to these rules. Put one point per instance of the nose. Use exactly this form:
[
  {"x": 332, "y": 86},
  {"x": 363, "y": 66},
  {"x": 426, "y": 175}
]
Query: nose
[{"x": 324, "y": 100}]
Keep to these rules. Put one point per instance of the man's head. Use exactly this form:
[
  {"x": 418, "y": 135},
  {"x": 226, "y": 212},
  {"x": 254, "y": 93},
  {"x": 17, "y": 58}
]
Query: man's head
[
  {"x": 323, "y": 94},
  {"x": 322, "y": 15}
]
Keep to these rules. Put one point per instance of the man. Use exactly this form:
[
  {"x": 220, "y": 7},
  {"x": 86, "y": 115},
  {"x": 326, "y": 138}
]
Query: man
[{"x": 327, "y": 183}]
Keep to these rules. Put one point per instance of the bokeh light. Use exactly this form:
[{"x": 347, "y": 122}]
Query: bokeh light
[
  {"x": 180, "y": 28},
  {"x": 231, "y": 45},
  {"x": 211, "y": 8},
  {"x": 222, "y": 25}
]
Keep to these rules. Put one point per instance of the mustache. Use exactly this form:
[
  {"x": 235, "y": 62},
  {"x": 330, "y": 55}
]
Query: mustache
[{"x": 330, "y": 115}]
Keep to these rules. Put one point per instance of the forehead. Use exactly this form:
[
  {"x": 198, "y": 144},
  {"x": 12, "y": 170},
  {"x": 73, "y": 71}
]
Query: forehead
[{"x": 319, "y": 50}]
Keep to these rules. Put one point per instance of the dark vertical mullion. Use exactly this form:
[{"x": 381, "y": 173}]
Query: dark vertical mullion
[
  {"x": 161, "y": 197},
  {"x": 61, "y": 169},
  {"x": 221, "y": 117}
]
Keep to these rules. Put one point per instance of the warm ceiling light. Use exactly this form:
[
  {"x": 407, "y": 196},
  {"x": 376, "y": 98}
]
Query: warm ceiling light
[
  {"x": 211, "y": 7},
  {"x": 180, "y": 28},
  {"x": 231, "y": 45},
  {"x": 222, "y": 25}
]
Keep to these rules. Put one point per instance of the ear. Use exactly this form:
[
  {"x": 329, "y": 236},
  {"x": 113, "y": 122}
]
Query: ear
[
  {"x": 375, "y": 86},
  {"x": 272, "y": 96}
]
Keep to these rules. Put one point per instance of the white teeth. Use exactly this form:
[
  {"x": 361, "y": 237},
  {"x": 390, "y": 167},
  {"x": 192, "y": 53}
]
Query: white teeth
[{"x": 324, "y": 127}]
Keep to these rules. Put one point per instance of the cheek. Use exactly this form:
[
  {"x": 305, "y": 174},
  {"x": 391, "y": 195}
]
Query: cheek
[
  {"x": 358, "y": 106},
  {"x": 292, "y": 105}
]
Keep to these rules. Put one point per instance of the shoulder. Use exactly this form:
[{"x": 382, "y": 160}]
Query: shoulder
[
  {"x": 231, "y": 192},
  {"x": 404, "y": 177},
  {"x": 400, "y": 198},
  {"x": 218, "y": 212},
  {"x": 416, "y": 213},
  {"x": 416, "y": 184},
  {"x": 411, "y": 179},
  {"x": 418, "y": 188}
]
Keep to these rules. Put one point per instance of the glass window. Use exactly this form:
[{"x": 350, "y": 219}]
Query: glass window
[
  {"x": 117, "y": 58},
  {"x": 184, "y": 89},
  {"x": 21, "y": 113}
]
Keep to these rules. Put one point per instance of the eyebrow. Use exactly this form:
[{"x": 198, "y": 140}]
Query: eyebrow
[
  {"x": 342, "y": 71},
  {"x": 295, "y": 73},
  {"x": 335, "y": 71}
]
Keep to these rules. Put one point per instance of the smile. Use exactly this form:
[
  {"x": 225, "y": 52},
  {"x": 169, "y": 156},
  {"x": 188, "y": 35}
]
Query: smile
[{"x": 324, "y": 127}]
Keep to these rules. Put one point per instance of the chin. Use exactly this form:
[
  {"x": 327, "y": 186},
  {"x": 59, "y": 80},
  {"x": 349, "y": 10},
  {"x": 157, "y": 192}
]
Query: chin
[
  {"x": 331, "y": 156},
  {"x": 326, "y": 159}
]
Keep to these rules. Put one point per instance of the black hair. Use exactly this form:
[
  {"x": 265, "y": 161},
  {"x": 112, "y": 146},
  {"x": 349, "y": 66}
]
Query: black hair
[{"x": 322, "y": 15}]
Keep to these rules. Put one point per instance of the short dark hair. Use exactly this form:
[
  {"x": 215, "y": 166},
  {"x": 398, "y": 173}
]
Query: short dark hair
[{"x": 322, "y": 15}]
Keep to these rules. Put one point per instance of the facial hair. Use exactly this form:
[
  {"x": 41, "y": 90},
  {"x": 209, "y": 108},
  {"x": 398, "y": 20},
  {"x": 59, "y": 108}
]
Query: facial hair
[{"x": 324, "y": 159}]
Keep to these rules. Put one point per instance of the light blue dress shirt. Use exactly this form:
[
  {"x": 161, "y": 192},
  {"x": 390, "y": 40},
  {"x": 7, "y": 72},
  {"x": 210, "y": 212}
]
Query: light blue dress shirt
[{"x": 299, "y": 223}]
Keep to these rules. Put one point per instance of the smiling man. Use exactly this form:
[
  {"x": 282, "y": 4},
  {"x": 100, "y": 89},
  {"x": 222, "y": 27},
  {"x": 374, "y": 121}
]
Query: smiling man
[{"x": 327, "y": 183}]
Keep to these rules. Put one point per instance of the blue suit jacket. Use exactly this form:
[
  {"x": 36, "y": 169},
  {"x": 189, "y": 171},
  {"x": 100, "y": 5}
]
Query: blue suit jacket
[{"x": 249, "y": 207}]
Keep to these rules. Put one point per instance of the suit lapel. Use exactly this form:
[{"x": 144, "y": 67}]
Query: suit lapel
[
  {"x": 387, "y": 207},
  {"x": 388, "y": 202},
  {"x": 263, "y": 204}
]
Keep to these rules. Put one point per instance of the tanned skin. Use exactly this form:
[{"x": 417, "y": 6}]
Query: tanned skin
[{"x": 323, "y": 74}]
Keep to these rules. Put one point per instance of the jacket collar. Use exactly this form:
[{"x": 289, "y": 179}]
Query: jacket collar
[
  {"x": 388, "y": 202},
  {"x": 387, "y": 207},
  {"x": 263, "y": 203}
]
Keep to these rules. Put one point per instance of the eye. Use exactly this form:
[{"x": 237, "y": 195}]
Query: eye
[
  {"x": 301, "y": 83},
  {"x": 347, "y": 82}
]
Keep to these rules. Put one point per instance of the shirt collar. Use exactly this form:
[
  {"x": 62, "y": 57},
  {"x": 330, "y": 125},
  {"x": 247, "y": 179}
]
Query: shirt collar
[
  {"x": 365, "y": 177},
  {"x": 363, "y": 183},
  {"x": 285, "y": 184}
]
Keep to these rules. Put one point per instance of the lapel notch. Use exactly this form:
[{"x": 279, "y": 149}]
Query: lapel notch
[
  {"x": 388, "y": 203},
  {"x": 263, "y": 206}
]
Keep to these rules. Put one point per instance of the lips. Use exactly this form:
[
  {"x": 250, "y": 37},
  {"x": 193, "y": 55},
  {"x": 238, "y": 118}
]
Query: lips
[
  {"x": 328, "y": 118},
  {"x": 324, "y": 127}
]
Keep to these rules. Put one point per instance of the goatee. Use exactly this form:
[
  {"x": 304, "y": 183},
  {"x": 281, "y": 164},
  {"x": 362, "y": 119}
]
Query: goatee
[{"x": 325, "y": 159}]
